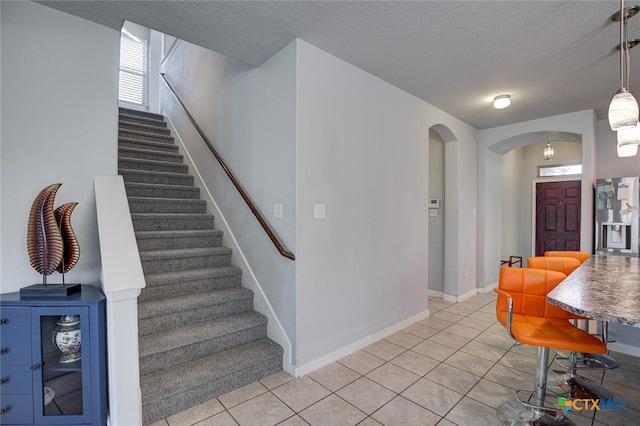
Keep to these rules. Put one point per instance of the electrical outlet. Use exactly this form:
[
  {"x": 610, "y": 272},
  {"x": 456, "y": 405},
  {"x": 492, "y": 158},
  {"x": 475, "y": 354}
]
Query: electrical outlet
[{"x": 277, "y": 211}]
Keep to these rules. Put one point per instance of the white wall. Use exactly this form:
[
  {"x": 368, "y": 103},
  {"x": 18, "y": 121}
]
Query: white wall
[
  {"x": 362, "y": 151},
  {"x": 306, "y": 128},
  {"x": 249, "y": 115},
  {"x": 59, "y": 124}
]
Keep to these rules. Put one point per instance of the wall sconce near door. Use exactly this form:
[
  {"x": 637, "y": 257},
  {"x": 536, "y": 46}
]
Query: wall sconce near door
[{"x": 548, "y": 152}]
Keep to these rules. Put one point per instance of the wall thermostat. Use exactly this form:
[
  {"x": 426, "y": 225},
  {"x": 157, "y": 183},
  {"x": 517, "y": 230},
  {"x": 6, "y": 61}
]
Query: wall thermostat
[{"x": 434, "y": 203}]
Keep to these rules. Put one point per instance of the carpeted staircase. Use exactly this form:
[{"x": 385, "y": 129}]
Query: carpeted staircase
[{"x": 199, "y": 335}]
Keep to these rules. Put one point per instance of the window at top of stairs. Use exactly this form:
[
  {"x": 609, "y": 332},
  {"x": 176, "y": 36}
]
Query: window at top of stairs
[{"x": 133, "y": 69}]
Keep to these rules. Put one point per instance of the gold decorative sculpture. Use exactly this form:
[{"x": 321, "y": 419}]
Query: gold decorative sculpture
[
  {"x": 51, "y": 243},
  {"x": 71, "y": 252},
  {"x": 44, "y": 239}
]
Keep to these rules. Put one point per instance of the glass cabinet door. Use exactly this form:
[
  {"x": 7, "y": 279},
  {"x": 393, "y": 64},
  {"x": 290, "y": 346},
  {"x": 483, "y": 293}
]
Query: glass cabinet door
[{"x": 61, "y": 364}]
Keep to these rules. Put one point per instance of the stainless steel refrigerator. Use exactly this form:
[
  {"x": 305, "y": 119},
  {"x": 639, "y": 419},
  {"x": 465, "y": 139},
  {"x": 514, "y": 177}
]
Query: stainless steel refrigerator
[{"x": 616, "y": 214}]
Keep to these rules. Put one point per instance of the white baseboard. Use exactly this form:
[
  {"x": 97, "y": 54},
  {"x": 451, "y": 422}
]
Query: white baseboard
[
  {"x": 625, "y": 349},
  {"x": 357, "y": 345},
  {"x": 467, "y": 295},
  {"x": 488, "y": 289},
  {"x": 456, "y": 299},
  {"x": 434, "y": 293}
]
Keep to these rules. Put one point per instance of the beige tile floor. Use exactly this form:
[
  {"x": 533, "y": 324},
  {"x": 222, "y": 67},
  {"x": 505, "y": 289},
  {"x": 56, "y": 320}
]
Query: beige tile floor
[{"x": 454, "y": 368}]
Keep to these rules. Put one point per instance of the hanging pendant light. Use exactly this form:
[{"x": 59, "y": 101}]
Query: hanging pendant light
[
  {"x": 629, "y": 136},
  {"x": 623, "y": 109},
  {"x": 548, "y": 152},
  {"x": 627, "y": 150}
]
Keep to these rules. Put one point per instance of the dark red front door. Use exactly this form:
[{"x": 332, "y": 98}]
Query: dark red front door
[{"x": 557, "y": 216}]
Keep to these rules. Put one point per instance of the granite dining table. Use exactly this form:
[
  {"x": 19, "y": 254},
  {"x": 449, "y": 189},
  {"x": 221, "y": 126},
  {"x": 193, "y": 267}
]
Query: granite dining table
[{"x": 605, "y": 287}]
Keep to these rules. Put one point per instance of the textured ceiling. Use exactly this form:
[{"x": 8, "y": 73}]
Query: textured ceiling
[{"x": 553, "y": 57}]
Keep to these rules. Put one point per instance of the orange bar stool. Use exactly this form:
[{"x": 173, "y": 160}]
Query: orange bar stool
[
  {"x": 571, "y": 382},
  {"x": 523, "y": 309},
  {"x": 566, "y": 265},
  {"x": 582, "y": 256},
  {"x": 592, "y": 361}
]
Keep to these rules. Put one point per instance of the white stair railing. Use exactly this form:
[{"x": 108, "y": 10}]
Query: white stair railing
[{"x": 122, "y": 279}]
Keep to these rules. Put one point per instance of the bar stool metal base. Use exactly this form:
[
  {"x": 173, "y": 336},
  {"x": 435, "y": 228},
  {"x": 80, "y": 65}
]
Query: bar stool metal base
[
  {"x": 577, "y": 387},
  {"x": 597, "y": 361},
  {"x": 513, "y": 413}
]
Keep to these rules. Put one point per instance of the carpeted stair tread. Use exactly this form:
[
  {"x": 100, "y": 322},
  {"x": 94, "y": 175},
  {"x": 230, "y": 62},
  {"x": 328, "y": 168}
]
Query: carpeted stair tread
[
  {"x": 126, "y": 117},
  {"x": 152, "y": 165},
  {"x": 206, "y": 369},
  {"x": 172, "y": 277},
  {"x": 167, "y": 205},
  {"x": 167, "y": 284},
  {"x": 171, "y": 221},
  {"x": 149, "y": 154},
  {"x": 136, "y": 134},
  {"x": 189, "y": 333},
  {"x": 142, "y": 127},
  {"x": 167, "y": 240},
  {"x": 201, "y": 380},
  {"x": 147, "y": 114},
  {"x": 143, "y": 144},
  {"x": 183, "y": 253},
  {"x": 159, "y": 178},
  {"x": 143, "y": 189},
  {"x": 184, "y": 259},
  {"x": 200, "y": 339},
  {"x": 158, "y": 318},
  {"x": 191, "y": 301}
]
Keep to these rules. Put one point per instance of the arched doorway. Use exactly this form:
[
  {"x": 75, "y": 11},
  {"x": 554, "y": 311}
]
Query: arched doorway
[{"x": 436, "y": 214}]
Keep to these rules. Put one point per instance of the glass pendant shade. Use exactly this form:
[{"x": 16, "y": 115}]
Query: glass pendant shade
[
  {"x": 629, "y": 136},
  {"x": 627, "y": 150},
  {"x": 548, "y": 152},
  {"x": 623, "y": 111}
]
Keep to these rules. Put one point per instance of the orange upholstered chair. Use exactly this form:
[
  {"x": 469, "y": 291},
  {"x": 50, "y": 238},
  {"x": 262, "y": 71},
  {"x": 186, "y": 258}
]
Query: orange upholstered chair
[
  {"x": 582, "y": 256},
  {"x": 523, "y": 309},
  {"x": 566, "y": 265}
]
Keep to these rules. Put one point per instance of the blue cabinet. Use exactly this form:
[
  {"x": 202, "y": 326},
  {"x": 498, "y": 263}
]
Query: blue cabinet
[{"x": 52, "y": 360}]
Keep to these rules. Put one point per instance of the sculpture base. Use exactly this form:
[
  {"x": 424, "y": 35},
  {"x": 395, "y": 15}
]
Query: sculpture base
[{"x": 50, "y": 291}]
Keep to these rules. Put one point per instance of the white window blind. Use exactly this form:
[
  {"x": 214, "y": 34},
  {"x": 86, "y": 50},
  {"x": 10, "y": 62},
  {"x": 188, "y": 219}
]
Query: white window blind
[{"x": 133, "y": 70}]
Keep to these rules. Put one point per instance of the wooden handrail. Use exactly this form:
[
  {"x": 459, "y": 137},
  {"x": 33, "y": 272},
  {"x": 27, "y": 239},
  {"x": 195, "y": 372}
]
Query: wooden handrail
[{"x": 236, "y": 183}]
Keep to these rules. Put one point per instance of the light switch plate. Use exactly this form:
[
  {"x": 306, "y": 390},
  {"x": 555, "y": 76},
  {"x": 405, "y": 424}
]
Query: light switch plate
[
  {"x": 319, "y": 211},
  {"x": 277, "y": 211}
]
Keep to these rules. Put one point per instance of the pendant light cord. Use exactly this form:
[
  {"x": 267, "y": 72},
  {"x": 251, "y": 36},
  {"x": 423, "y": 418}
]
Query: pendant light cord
[{"x": 622, "y": 46}]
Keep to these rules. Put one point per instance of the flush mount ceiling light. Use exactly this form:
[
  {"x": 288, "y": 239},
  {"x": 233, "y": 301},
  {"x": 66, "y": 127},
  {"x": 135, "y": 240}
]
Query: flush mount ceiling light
[
  {"x": 501, "y": 101},
  {"x": 548, "y": 152},
  {"x": 623, "y": 109}
]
